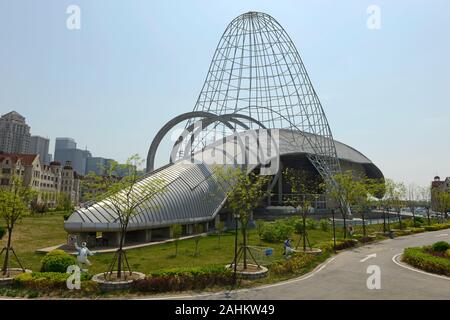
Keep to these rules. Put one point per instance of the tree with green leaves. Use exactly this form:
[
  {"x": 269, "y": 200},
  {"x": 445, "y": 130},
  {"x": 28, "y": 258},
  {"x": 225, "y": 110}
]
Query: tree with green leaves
[
  {"x": 343, "y": 189},
  {"x": 366, "y": 190},
  {"x": 176, "y": 234},
  {"x": 244, "y": 192},
  {"x": 63, "y": 202},
  {"x": 198, "y": 231},
  {"x": 260, "y": 224},
  {"x": 220, "y": 227},
  {"x": 395, "y": 194},
  {"x": 425, "y": 197},
  {"x": 124, "y": 196},
  {"x": 14, "y": 204},
  {"x": 441, "y": 201},
  {"x": 305, "y": 189}
]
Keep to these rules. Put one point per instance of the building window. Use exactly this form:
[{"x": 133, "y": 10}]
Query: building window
[
  {"x": 6, "y": 171},
  {"x": 4, "y": 182}
]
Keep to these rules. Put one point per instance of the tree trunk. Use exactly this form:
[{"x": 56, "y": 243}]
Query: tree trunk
[
  {"x": 384, "y": 220},
  {"x": 399, "y": 219},
  {"x": 428, "y": 216},
  {"x": 120, "y": 255},
  {"x": 304, "y": 230},
  {"x": 364, "y": 223},
  {"x": 345, "y": 222},
  {"x": 8, "y": 247},
  {"x": 244, "y": 241}
]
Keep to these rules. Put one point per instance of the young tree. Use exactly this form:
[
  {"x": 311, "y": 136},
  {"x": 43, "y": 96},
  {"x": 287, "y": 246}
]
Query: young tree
[
  {"x": 176, "y": 234},
  {"x": 395, "y": 193},
  {"x": 124, "y": 196},
  {"x": 412, "y": 198},
  {"x": 220, "y": 227},
  {"x": 366, "y": 191},
  {"x": 63, "y": 202},
  {"x": 14, "y": 204},
  {"x": 198, "y": 230},
  {"x": 425, "y": 197},
  {"x": 441, "y": 202},
  {"x": 304, "y": 190},
  {"x": 344, "y": 191},
  {"x": 260, "y": 224},
  {"x": 244, "y": 192}
]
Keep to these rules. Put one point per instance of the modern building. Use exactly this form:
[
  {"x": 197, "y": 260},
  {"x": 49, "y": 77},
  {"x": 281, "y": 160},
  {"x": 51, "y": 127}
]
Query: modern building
[
  {"x": 48, "y": 180},
  {"x": 65, "y": 143},
  {"x": 97, "y": 165},
  {"x": 256, "y": 86},
  {"x": 66, "y": 151},
  {"x": 14, "y": 133},
  {"x": 40, "y": 145}
]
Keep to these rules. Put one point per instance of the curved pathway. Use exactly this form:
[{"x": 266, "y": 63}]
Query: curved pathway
[{"x": 345, "y": 276}]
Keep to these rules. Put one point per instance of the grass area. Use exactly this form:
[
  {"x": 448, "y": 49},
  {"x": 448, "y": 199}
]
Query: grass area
[{"x": 35, "y": 232}]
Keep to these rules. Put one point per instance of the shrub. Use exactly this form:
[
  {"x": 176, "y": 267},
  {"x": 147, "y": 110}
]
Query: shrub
[
  {"x": 184, "y": 279},
  {"x": 436, "y": 227},
  {"x": 299, "y": 263},
  {"x": 447, "y": 253},
  {"x": 311, "y": 224},
  {"x": 2, "y": 232},
  {"x": 417, "y": 230},
  {"x": 57, "y": 261},
  {"x": 340, "y": 244},
  {"x": 47, "y": 281},
  {"x": 418, "y": 258},
  {"x": 324, "y": 225},
  {"x": 277, "y": 231},
  {"x": 440, "y": 246}
]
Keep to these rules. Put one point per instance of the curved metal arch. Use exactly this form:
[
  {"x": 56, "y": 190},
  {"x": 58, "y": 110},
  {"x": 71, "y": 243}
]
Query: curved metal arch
[
  {"x": 178, "y": 119},
  {"x": 207, "y": 122}
]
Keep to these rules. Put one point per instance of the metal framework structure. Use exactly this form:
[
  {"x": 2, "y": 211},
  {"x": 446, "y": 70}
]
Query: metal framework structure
[{"x": 257, "y": 71}]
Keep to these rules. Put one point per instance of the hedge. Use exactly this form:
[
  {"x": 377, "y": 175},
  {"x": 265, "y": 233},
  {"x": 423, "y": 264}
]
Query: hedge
[
  {"x": 340, "y": 245},
  {"x": 298, "y": 263},
  {"x": 184, "y": 279},
  {"x": 49, "y": 281},
  {"x": 418, "y": 258},
  {"x": 436, "y": 227}
]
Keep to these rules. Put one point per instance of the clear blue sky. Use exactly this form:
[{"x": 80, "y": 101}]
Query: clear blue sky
[{"x": 133, "y": 65}]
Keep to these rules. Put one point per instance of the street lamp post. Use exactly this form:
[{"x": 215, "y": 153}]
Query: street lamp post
[
  {"x": 236, "y": 218},
  {"x": 334, "y": 231}
]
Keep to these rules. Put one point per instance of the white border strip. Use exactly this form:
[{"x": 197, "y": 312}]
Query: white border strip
[{"x": 394, "y": 259}]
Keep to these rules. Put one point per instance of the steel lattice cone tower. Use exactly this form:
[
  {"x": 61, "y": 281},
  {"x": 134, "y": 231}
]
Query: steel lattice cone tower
[{"x": 257, "y": 71}]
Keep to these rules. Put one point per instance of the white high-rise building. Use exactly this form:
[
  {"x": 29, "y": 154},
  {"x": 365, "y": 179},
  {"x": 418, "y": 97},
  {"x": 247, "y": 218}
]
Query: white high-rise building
[{"x": 14, "y": 133}]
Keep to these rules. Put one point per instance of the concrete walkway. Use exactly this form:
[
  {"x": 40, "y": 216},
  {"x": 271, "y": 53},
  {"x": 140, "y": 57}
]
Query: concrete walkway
[{"x": 114, "y": 249}]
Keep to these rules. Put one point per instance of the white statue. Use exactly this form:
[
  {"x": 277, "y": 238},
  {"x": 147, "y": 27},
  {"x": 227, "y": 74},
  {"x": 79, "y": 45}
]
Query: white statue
[{"x": 82, "y": 255}]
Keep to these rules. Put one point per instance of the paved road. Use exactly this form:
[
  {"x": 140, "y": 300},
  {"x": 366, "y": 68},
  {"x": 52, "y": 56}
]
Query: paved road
[{"x": 345, "y": 276}]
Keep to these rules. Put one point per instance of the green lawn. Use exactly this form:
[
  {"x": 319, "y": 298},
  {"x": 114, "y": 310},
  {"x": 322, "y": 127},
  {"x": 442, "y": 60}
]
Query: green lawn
[{"x": 36, "y": 232}]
